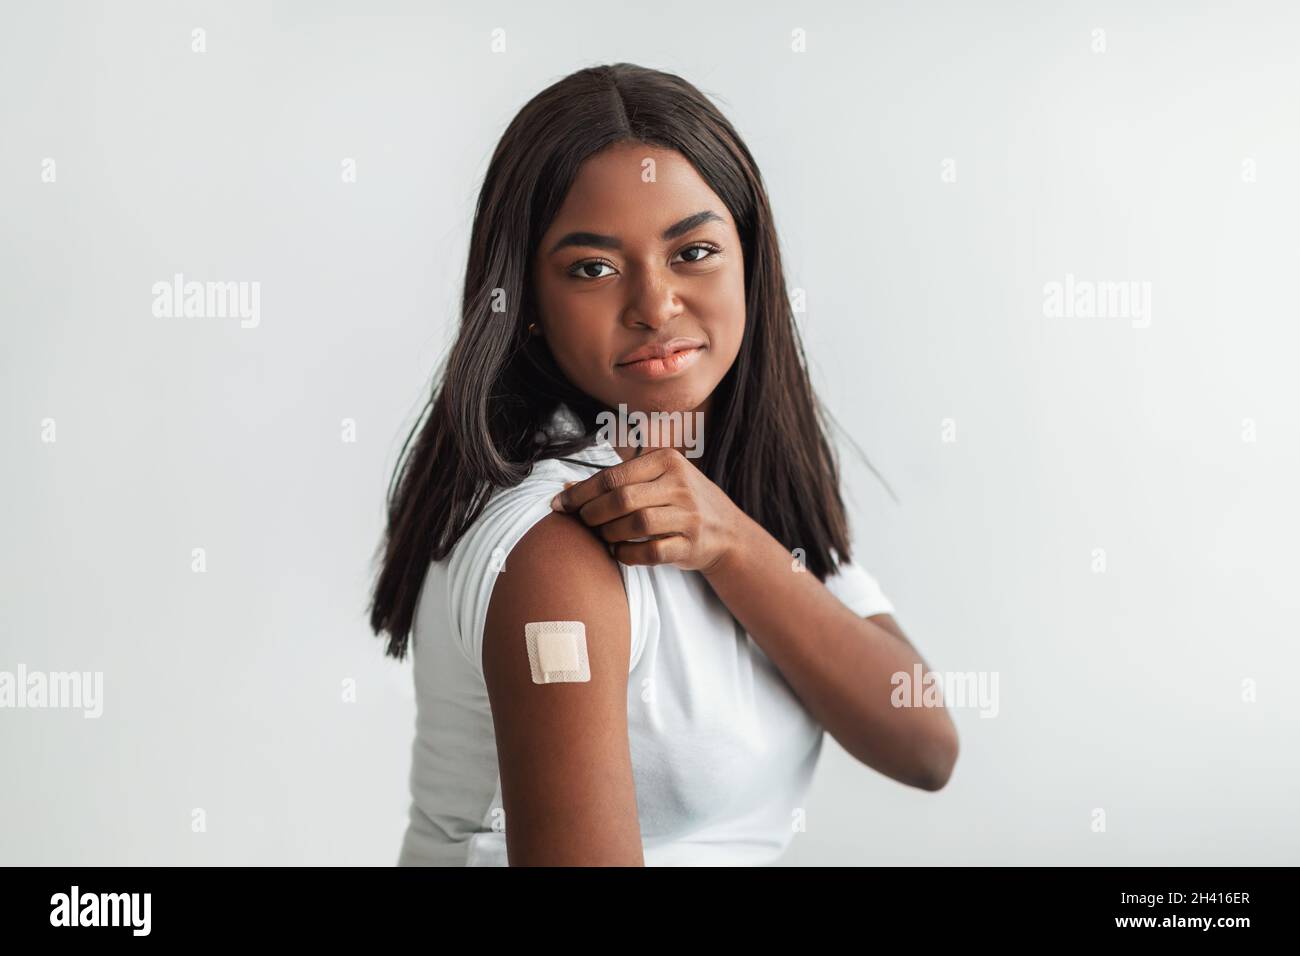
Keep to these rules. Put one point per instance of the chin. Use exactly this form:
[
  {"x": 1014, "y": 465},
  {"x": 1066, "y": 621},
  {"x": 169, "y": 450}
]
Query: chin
[{"x": 669, "y": 397}]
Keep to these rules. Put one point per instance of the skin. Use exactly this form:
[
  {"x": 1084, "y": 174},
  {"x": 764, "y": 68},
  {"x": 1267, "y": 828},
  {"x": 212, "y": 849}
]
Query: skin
[
  {"x": 562, "y": 749},
  {"x": 651, "y": 289},
  {"x": 566, "y": 770}
]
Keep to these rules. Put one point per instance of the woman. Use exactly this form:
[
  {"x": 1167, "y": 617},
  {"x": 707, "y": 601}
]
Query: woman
[{"x": 624, "y": 257}]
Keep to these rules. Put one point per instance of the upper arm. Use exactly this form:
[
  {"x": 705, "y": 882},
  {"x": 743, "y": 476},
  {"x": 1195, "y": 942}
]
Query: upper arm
[{"x": 562, "y": 748}]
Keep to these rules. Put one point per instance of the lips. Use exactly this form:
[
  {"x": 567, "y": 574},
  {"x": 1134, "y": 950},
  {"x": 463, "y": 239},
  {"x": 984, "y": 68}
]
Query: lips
[
  {"x": 667, "y": 367},
  {"x": 660, "y": 350}
]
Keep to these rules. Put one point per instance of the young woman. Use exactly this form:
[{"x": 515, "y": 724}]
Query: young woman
[{"x": 624, "y": 260}]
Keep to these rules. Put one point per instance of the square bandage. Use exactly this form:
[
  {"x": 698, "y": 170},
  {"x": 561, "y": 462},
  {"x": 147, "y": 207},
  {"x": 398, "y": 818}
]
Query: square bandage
[{"x": 557, "y": 651}]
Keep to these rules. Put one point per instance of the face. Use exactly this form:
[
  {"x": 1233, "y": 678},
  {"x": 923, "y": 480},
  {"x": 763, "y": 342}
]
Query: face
[{"x": 640, "y": 285}]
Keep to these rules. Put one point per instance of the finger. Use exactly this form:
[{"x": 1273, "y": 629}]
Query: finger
[
  {"x": 656, "y": 551},
  {"x": 645, "y": 523},
  {"x": 625, "y": 501},
  {"x": 645, "y": 468}
]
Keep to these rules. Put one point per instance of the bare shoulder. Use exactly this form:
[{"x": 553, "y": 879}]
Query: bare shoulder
[
  {"x": 562, "y": 748},
  {"x": 561, "y": 564}
]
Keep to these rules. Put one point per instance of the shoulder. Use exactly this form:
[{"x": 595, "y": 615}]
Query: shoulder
[
  {"x": 559, "y": 571},
  {"x": 514, "y": 546}
]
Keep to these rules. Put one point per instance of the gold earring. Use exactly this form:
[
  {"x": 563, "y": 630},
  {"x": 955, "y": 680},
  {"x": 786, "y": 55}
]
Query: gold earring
[{"x": 532, "y": 328}]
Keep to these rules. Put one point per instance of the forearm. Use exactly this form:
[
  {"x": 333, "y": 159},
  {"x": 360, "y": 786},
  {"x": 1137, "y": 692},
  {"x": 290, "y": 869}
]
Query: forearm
[{"x": 840, "y": 665}]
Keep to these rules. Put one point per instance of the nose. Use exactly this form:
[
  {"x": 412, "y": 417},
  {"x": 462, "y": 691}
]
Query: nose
[{"x": 653, "y": 303}]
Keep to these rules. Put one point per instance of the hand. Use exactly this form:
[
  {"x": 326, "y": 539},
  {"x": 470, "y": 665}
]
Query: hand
[{"x": 689, "y": 521}]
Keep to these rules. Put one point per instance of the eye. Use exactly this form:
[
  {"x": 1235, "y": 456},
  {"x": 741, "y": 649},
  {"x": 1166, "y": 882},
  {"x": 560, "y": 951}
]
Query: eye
[
  {"x": 579, "y": 271},
  {"x": 702, "y": 247}
]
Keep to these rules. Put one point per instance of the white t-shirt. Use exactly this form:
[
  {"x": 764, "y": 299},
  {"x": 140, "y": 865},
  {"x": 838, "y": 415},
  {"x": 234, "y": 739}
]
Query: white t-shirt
[{"x": 722, "y": 750}]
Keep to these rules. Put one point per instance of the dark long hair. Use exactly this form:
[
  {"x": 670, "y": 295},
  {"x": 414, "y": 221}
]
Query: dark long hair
[{"x": 767, "y": 446}]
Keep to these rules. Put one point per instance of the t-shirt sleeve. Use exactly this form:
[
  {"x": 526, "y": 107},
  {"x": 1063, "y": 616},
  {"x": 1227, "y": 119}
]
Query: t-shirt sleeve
[
  {"x": 483, "y": 554},
  {"x": 859, "y": 591}
]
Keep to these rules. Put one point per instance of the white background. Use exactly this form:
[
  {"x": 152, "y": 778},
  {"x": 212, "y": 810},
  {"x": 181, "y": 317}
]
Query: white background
[{"x": 1119, "y": 690}]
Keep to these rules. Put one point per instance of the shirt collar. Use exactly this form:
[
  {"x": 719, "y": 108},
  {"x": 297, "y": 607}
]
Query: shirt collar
[{"x": 565, "y": 423}]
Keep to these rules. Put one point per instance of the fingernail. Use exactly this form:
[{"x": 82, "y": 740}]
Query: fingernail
[{"x": 555, "y": 504}]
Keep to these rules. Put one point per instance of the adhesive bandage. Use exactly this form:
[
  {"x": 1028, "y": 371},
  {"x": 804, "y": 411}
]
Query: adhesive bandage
[{"x": 557, "y": 651}]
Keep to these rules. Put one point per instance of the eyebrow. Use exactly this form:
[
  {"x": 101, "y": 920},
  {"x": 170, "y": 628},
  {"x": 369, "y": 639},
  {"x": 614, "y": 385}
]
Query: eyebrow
[{"x": 600, "y": 241}]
